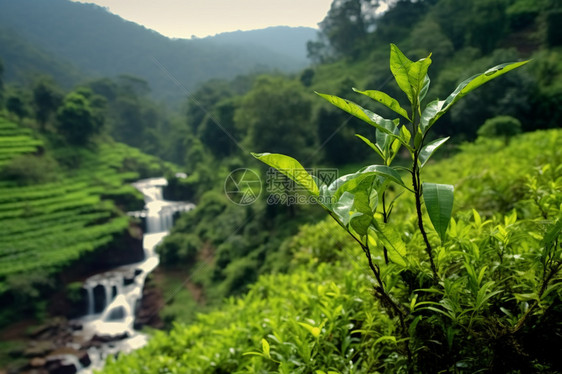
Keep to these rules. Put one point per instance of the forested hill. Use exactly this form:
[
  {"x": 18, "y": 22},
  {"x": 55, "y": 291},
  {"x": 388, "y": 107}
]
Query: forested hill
[{"x": 102, "y": 44}]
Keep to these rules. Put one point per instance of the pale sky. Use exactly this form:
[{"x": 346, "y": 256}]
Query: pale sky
[{"x": 184, "y": 18}]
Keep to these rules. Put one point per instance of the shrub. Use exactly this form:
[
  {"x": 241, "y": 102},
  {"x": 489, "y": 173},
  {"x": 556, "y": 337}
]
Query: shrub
[
  {"x": 501, "y": 126},
  {"x": 30, "y": 169},
  {"x": 179, "y": 249}
]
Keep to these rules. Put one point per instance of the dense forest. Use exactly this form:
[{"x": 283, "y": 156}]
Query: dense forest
[{"x": 390, "y": 274}]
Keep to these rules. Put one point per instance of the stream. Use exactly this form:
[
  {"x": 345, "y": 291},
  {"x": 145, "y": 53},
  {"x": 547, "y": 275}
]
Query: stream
[{"x": 114, "y": 296}]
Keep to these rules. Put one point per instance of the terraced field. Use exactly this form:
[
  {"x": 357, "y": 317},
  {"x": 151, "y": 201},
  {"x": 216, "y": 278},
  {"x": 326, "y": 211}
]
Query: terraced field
[
  {"x": 47, "y": 226},
  {"x": 15, "y": 141}
]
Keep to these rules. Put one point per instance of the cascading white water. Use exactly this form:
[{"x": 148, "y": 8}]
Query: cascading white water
[
  {"x": 121, "y": 297},
  {"x": 90, "y": 294}
]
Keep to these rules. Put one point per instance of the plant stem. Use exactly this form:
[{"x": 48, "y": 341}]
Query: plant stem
[
  {"x": 381, "y": 293},
  {"x": 417, "y": 192},
  {"x": 385, "y": 220},
  {"x": 546, "y": 280}
]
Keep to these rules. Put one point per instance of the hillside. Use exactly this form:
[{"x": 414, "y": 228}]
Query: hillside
[
  {"x": 59, "y": 207},
  {"x": 99, "y": 43},
  {"x": 25, "y": 61},
  {"x": 322, "y": 317},
  {"x": 454, "y": 269}
]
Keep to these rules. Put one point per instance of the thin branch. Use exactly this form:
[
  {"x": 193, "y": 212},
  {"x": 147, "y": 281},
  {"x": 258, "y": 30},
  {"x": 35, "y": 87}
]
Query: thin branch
[{"x": 417, "y": 192}]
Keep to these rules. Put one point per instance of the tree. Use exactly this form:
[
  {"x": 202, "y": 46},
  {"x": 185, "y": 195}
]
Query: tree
[
  {"x": 346, "y": 24},
  {"x": 398, "y": 20},
  {"x": 487, "y": 23},
  {"x": 217, "y": 129},
  {"x": 79, "y": 117},
  {"x": 16, "y": 105},
  {"x": 275, "y": 115},
  {"x": 1, "y": 84},
  {"x": 46, "y": 99}
]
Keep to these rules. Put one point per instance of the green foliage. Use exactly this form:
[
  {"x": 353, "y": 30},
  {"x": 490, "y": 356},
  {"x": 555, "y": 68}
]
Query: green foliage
[
  {"x": 179, "y": 249},
  {"x": 321, "y": 316},
  {"x": 30, "y": 169},
  {"x": 79, "y": 116},
  {"x": 46, "y": 99},
  {"x": 500, "y": 126},
  {"x": 353, "y": 202},
  {"x": 16, "y": 105},
  {"x": 438, "y": 199},
  {"x": 554, "y": 35},
  {"x": 54, "y": 211},
  {"x": 15, "y": 141},
  {"x": 74, "y": 292},
  {"x": 136, "y": 50},
  {"x": 345, "y": 25},
  {"x": 263, "y": 115}
]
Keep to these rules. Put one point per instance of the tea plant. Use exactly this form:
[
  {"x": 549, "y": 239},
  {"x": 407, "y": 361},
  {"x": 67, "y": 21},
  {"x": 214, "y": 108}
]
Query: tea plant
[{"x": 423, "y": 294}]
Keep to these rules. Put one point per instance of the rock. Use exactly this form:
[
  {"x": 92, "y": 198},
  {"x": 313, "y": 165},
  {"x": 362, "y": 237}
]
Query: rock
[
  {"x": 84, "y": 358},
  {"x": 76, "y": 326},
  {"x": 39, "y": 348},
  {"x": 108, "y": 338},
  {"x": 61, "y": 366},
  {"x": 37, "y": 362},
  {"x": 128, "y": 279},
  {"x": 66, "y": 361}
]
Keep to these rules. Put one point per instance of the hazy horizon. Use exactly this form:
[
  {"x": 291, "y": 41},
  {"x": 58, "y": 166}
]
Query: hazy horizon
[{"x": 186, "y": 19}]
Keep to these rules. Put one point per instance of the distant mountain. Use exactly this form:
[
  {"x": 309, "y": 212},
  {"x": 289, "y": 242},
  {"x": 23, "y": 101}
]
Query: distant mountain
[
  {"x": 88, "y": 39},
  {"x": 285, "y": 40},
  {"x": 23, "y": 61}
]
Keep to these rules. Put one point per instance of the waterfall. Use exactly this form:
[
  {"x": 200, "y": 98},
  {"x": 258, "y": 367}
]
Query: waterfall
[
  {"x": 90, "y": 295},
  {"x": 108, "y": 293},
  {"x": 123, "y": 286}
]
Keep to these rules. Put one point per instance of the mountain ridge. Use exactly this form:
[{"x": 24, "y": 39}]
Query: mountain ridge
[{"x": 124, "y": 47}]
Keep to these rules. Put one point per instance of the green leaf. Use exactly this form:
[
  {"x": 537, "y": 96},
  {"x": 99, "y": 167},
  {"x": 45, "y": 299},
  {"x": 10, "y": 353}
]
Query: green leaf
[
  {"x": 360, "y": 222},
  {"x": 348, "y": 106},
  {"x": 385, "y": 100},
  {"x": 265, "y": 348},
  {"x": 385, "y": 139},
  {"x": 386, "y": 172},
  {"x": 405, "y": 135},
  {"x": 417, "y": 75},
  {"x": 291, "y": 168},
  {"x": 438, "y": 200},
  {"x": 399, "y": 66},
  {"x": 342, "y": 208},
  {"x": 430, "y": 114},
  {"x": 315, "y": 331},
  {"x": 354, "y": 208},
  {"x": 336, "y": 188},
  {"x": 437, "y": 108},
  {"x": 392, "y": 240},
  {"x": 553, "y": 233},
  {"x": 387, "y": 338},
  {"x": 385, "y": 125},
  {"x": 370, "y": 144},
  {"x": 425, "y": 87},
  {"x": 410, "y": 76},
  {"x": 429, "y": 149},
  {"x": 394, "y": 148}
]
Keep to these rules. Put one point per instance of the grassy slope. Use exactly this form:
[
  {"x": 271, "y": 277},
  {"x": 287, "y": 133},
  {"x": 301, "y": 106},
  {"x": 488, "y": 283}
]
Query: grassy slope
[
  {"x": 48, "y": 225},
  {"x": 329, "y": 286}
]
